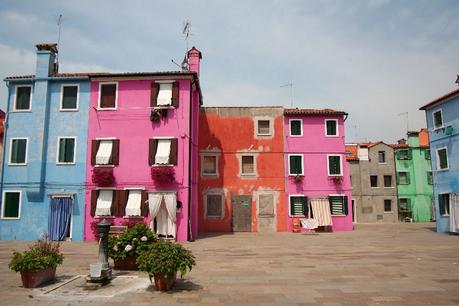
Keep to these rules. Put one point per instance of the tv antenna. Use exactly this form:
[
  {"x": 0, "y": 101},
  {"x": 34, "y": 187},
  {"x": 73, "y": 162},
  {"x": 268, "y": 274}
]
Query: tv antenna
[
  {"x": 59, "y": 25},
  {"x": 291, "y": 91},
  {"x": 186, "y": 31},
  {"x": 407, "y": 120},
  {"x": 457, "y": 80}
]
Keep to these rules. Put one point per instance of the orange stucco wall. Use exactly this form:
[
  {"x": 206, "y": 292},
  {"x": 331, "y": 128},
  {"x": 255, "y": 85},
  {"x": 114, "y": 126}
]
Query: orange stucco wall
[{"x": 228, "y": 135}]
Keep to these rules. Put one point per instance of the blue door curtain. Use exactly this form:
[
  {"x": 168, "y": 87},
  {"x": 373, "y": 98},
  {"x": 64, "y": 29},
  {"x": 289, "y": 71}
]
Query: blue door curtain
[{"x": 60, "y": 212}]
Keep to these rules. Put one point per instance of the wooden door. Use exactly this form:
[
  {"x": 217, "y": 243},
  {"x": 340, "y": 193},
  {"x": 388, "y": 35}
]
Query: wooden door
[
  {"x": 266, "y": 215},
  {"x": 241, "y": 213}
]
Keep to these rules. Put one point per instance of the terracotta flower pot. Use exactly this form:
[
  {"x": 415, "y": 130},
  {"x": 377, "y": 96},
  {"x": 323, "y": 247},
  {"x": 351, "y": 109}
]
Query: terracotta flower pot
[
  {"x": 34, "y": 279},
  {"x": 127, "y": 263},
  {"x": 164, "y": 283}
]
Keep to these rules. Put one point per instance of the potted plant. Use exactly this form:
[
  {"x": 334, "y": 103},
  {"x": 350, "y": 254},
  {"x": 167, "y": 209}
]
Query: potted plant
[
  {"x": 298, "y": 178},
  {"x": 162, "y": 260},
  {"x": 337, "y": 179},
  {"x": 126, "y": 247},
  {"x": 155, "y": 116},
  {"x": 38, "y": 264},
  {"x": 163, "y": 174},
  {"x": 103, "y": 176}
]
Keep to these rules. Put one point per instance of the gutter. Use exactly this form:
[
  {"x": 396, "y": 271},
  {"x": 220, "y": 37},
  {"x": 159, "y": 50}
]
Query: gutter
[
  {"x": 5, "y": 132},
  {"x": 44, "y": 79},
  {"x": 190, "y": 148}
]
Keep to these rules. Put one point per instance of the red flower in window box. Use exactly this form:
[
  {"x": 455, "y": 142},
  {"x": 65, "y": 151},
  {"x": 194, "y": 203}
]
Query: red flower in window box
[
  {"x": 337, "y": 179},
  {"x": 163, "y": 174},
  {"x": 298, "y": 178},
  {"x": 103, "y": 176}
]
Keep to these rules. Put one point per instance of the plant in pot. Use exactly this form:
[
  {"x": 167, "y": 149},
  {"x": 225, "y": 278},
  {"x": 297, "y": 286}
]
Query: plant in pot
[
  {"x": 162, "y": 260},
  {"x": 126, "y": 247},
  {"x": 103, "y": 176},
  {"x": 38, "y": 264}
]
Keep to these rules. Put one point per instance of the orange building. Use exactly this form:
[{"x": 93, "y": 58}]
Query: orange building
[{"x": 241, "y": 186}]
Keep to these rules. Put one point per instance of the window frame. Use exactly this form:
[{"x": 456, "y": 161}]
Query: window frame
[
  {"x": 371, "y": 176},
  {"x": 446, "y": 208},
  {"x": 340, "y": 164},
  {"x": 271, "y": 127},
  {"x": 344, "y": 197},
  {"x": 391, "y": 181},
  {"x": 384, "y": 155},
  {"x": 407, "y": 182},
  {"x": 100, "y": 96},
  {"x": 58, "y": 149},
  {"x": 61, "y": 106},
  {"x": 438, "y": 158},
  {"x": 114, "y": 190},
  {"x": 337, "y": 128},
  {"x": 290, "y": 196},
  {"x": 391, "y": 206},
  {"x": 290, "y": 127},
  {"x": 254, "y": 173},
  {"x": 219, "y": 192},
  {"x": 3, "y": 206},
  {"x": 15, "y": 110},
  {"x": 209, "y": 154},
  {"x": 442, "y": 121},
  {"x": 10, "y": 149},
  {"x": 302, "y": 164}
]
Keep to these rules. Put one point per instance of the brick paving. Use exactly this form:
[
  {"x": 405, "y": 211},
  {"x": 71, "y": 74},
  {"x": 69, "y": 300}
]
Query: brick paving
[{"x": 399, "y": 264}]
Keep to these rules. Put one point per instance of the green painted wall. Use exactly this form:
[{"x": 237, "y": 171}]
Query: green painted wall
[{"x": 418, "y": 191}]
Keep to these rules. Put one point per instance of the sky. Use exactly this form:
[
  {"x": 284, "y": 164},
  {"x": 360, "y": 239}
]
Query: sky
[{"x": 374, "y": 59}]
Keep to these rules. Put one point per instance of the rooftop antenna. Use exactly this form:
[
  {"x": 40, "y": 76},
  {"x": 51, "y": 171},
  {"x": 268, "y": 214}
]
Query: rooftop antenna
[
  {"x": 186, "y": 29},
  {"x": 457, "y": 80},
  {"x": 291, "y": 91},
  {"x": 355, "y": 131},
  {"x": 407, "y": 120},
  {"x": 59, "y": 25}
]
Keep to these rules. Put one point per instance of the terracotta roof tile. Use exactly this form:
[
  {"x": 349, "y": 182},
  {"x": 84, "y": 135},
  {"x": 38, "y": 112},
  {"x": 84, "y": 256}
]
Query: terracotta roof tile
[
  {"x": 352, "y": 152},
  {"x": 310, "y": 111},
  {"x": 104, "y": 74},
  {"x": 450, "y": 95}
]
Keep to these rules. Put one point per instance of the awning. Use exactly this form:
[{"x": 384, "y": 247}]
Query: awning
[
  {"x": 163, "y": 151},
  {"x": 104, "y": 153},
  {"x": 321, "y": 211},
  {"x": 104, "y": 203},
  {"x": 133, "y": 204},
  {"x": 165, "y": 94}
]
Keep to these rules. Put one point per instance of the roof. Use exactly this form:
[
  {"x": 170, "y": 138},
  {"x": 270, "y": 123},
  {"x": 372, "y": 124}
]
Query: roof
[
  {"x": 399, "y": 145},
  {"x": 57, "y": 75},
  {"x": 352, "y": 152},
  {"x": 451, "y": 95},
  {"x": 47, "y": 47},
  {"x": 312, "y": 112},
  {"x": 106, "y": 74}
]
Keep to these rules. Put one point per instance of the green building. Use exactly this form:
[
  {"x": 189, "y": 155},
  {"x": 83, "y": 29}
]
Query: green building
[{"x": 414, "y": 178}]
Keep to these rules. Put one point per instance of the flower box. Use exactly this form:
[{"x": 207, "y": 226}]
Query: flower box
[
  {"x": 103, "y": 176},
  {"x": 127, "y": 263},
  {"x": 163, "y": 174},
  {"x": 36, "y": 278},
  {"x": 337, "y": 179}
]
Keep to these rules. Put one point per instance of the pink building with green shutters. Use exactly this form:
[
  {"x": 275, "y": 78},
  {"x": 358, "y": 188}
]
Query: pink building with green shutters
[
  {"x": 317, "y": 174},
  {"x": 142, "y": 150}
]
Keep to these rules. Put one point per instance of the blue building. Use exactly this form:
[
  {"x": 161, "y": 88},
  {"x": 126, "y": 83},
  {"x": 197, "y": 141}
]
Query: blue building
[
  {"x": 44, "y": 161},
  {"x": 442, "y": 116}
]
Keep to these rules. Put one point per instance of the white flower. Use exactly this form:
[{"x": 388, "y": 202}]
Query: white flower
[
  {"x": 128, "y": 248},
  {"x": 144, "y": 238},
  {"x": 115, "y": 248},
  {"x": 134, "y": 239}
]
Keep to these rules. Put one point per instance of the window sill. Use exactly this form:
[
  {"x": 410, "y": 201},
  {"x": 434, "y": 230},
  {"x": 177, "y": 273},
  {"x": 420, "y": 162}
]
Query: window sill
[
  {"x": 11, "y": 164},
  {"x": 339, "y": 215},
  {"x": 69, "y": 110},
  {"x": 21, "y": 111},
  {"x": 295, "y": 174},
  {"x": 9, "y": 218},
  {"x": 388, "y": 212},
  {"x": 163, "y": 107},
  {"x": 163, "y": 165},
  {"x": 391, "y": 187},
  {"x": 247, "y": 176},
  {"x": 106, "y": 108},
  {"x": 335, "y": 175},
  {"x": 297, "y": 216},
  {"x": 133, "y": 217},
  {"x": 441, "y": 170},
  {"x": 332, "y": 136},
  {"x": 105, "y": 217},
  {"x": 66, "y": 164},
  {"x": 104, "y": 166},
  {"x": 444, "y": 216},
  {"x": 209, "y": 174}
]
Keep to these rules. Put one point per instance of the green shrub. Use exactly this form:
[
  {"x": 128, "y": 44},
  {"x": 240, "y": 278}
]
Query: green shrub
[
  {"x": 165, "y": 258},
  {"x": 41, "y": 255},
  {"x": 132, "y": 242}
]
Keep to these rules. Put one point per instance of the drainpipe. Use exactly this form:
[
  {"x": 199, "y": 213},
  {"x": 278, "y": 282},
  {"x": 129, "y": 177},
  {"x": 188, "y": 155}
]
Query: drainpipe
[
  {"x": 189, "y": 232},
  {"x": 5, "y": 131}
]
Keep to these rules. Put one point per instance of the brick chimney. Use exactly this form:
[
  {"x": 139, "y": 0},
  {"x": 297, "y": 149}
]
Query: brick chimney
[
  {"x": 194, "y": 60},
  {"x": 46, "y": 60}
]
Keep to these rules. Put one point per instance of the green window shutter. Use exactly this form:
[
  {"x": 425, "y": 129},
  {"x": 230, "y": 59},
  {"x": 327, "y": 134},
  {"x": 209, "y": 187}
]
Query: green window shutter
[
  {"x": 62, "y": 149},
  {"x": 295, "y": 165},
  {"x": 410, "y": 154},
  {"x": 297, "y": 206},
  {"x": 408, "y": 204},
  {"x": 407, "y": 178},
  {"x": 337, "y": 205},
  {"x": 334, "y": 165},
  {"x": 331, "y": 127},
  {"x": 397, "y": 154},
  {"x": 295, "y": 127},
  {"x": 69, "y": 149},
  {"x": 11, "y": 205},
  {"x": 427, "y": 154},
  {"x": 346, "y": 209}
]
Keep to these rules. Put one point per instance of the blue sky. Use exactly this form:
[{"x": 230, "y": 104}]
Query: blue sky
[{"x": 374, "y": 59}]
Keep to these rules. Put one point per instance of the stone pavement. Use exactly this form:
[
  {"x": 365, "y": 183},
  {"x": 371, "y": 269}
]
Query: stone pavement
[{"x": 395, "y": 264}]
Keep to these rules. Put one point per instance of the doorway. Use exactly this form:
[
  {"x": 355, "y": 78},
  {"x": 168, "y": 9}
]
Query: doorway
[
  {"x": 60, "y": 218},
  {"x": 266, "y": 213},
  {"x": 241, "y": 218}
]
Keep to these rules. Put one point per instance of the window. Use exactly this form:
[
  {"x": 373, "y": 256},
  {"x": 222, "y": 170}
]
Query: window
[
  {"x": 298, "y": 206},
  {"x": 247, "y": 164},
  {"x": 442, "y": 159},
  {"x": 338, "y": 205},
  {"x": 429, "y": 178},
  {"x": 427, "y": 154},
  {"x": 404, "y": 154},
  {"x": 69, "y": 97},
  {"x": 387, "y": 180},
  {"x": 133, "y": 203},
  {"x": 404, "y": 205},
  {"x": 108, "y": 95},
  {"x": 296, "y": 127},
  {"x": 11, "y": 205},
  {"x": 382, "y": 157},
  {"x": 165, "y": 94},
  {"x": 23, "y": 98},
  {"x": 443, "y": 204},
  {"x": 264, "y": 127},
  {"x": 215, "y": 205},
  {"x": 334, "y": 165},
  {"x": 387, "y": 206},
  {"x": 104, "y": 203},
  {"x": 209, "y": 165},
  {"x": 18, "y": 151},
  {"x": 66, "y": 150},
  {"x": 437, "y": 119},
  {"x": 295, "y": 164},
  {"x": 403, "y": 178},
  {"x": 373, "y": 181},
  {"x": 105, "y": 152},
  {"x": 163, "y": 151},
  {"x": 331, "y": 127}
]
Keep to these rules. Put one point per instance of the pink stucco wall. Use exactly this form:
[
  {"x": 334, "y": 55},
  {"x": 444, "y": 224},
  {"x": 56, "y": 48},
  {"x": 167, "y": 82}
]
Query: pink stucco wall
[
  {"x": 315, "y": 147},
  {"x": 131, "y": 124}
]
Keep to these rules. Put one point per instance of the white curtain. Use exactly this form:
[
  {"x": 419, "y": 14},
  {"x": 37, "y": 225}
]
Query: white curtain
[
  {"x": 163, "y": 151},
  {"x": 161, "y": 221},
  {"x": 171, "y": 205},
  {"x": 454, "y": 213},
  {"x": 104, "y": 152},
  {"x": 321, "y": 211},
  {"x": 104, "y": 203},
  {"x": 165, "y": 94},
  {"x": 163, "y": 207},
  {"x": 154, "y": 203},
  {"x": 133, "y": 204}
]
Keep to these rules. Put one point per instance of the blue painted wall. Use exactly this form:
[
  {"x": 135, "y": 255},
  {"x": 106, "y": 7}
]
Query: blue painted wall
[
  {"x": 445, "y": 181},
  {"x": 42, "y": 176}
]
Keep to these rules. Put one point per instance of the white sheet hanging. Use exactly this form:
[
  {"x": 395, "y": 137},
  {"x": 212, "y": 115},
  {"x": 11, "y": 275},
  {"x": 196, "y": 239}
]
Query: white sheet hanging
[
  {"x": 104, "y": 152},
  {"x": 165, "y": 94},
  {"x": 134, "y": 202},
  {"x": 321, "y": 211},
  {"x": 454, "y": 213},
  {"x": 163, "y": 151},
  {"x": 171, "y": 205},
  {"x": 104, "y": 203}
]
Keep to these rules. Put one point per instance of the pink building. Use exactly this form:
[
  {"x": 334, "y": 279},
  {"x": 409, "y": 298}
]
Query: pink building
[
  {"x": 317, "y": 175},
  {"x": 142, "y": 150}
]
